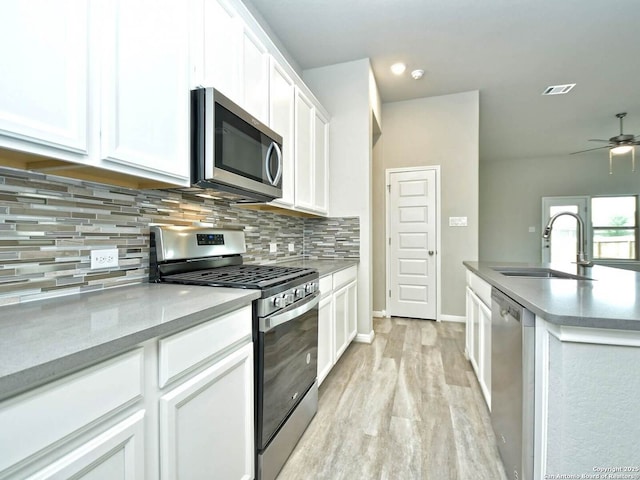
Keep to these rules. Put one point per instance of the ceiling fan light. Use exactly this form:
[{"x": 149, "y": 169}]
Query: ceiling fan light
[{"x": 622, "y": 149}]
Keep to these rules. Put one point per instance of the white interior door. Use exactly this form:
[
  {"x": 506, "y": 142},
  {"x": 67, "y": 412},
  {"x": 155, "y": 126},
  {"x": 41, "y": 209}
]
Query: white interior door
[
  {"x": 412, "y": 243},
  {"x": 561, "y": 246}
]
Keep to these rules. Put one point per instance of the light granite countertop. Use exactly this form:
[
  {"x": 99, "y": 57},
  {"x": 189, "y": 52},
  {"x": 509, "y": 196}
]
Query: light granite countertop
[
  {"x": 46, "y": 339},
  {"x": 325, "y": 266},
  {"x": 611, "y": 299}
]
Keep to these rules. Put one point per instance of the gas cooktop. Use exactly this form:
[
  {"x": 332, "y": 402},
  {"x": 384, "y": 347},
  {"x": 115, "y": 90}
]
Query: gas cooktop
[{"x": 240, "y": 276}]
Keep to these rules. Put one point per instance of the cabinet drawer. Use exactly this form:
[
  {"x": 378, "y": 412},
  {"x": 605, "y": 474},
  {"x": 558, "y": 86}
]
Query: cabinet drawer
[
  {"x": 37, "y": 419},
  {"x": 183, "y": 351},
  {"x": 481, "y": 288},
  {"x": 326, "y": 285},
  {"x": 344, "y": 276}
]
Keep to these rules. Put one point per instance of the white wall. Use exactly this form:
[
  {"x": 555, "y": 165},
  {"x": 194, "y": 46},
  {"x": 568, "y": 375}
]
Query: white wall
[
  {"x": 345, "y": 91},
  {"x": 434, "y": 131}
]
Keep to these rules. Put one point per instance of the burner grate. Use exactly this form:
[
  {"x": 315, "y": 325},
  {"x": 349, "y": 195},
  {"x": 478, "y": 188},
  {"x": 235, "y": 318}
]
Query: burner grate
[{"x": 239, "y": 276}]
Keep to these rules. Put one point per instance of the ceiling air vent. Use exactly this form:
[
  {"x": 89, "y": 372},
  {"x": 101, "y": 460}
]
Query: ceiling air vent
[{"x": 558, "y": 89}]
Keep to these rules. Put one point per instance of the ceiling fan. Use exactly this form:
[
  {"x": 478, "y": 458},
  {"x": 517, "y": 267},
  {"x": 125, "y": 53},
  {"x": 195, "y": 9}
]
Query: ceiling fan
[{"x": 618, "y": 145}]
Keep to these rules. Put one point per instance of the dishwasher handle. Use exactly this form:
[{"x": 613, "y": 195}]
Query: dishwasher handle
[{"x": 506, "y": 306}]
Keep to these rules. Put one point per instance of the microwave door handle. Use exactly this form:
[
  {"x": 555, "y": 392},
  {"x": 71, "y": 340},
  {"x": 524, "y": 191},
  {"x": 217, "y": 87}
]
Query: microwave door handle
[{"x": 273, "y": 181}]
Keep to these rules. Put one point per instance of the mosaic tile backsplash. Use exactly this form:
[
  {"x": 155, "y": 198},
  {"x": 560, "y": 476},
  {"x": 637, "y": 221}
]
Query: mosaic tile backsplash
[{"x": 49, "y": 225}]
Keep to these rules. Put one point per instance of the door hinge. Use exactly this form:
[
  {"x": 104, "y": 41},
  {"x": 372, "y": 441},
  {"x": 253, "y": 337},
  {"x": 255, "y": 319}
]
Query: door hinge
[
  {"x": 389, "y": 293},
  {"x": 389, "y": 188},
  {"x": 389, "y": 240}
]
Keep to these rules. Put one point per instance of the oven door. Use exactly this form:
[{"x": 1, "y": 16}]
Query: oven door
[{"x": 286, "y": 364}]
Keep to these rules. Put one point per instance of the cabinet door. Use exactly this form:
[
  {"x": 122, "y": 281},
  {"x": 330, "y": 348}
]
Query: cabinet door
[
  {"x": 255, "y": 76},
  {"x": 484, "y": 357},
  {"x": 222, "y": 45},
  {"x": 117, "y": 454},
  {"x": 45, "y": 78},
  {"x": 325, "y": 338},
  {"x": 321, "y": 162},
  {"x": 352, "y": 311},
  {"x": 145, "y": 76},
  {"x": 281, "y": 115},
  {"x": 304, "y": 171},
  {"x": 472, "y": 313},
  {"x": 203, "y": 417},
  {"x": 341, "y": 321}
]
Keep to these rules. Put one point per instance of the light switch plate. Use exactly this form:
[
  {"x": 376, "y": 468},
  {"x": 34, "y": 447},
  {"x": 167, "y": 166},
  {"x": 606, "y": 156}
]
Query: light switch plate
[
  {"x": 106, "y": 258},
  {"x": 273, "y": 247},
  {"x": 532, "y": 229},
  {"x": 292, "y": 247},
  {"x": 457, "y": 221}
]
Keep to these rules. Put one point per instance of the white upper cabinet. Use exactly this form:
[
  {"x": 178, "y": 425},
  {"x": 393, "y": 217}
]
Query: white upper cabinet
[
  {"x": 219, "y": 47},
  {"x": 311, "y": 164},
  {"x": 228, "y": 56},
  {"x": 45, "y": 77},
  {"x": 321, "y": 162},
  {"x": 145, "y": 76},
  {"x": 255, "y": 76},
  {"x": 281, "y": 113},
  {"x": 304, "y": 150}
]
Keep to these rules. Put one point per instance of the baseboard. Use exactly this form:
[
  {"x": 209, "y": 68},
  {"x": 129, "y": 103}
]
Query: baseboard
[
  {"x": 453, "y": 318},
  {"x": 380, "y": 314},
  {"x": 365, "y": 337}
]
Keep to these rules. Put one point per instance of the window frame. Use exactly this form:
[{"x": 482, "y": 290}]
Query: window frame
[{"x": 635, "y": 229}]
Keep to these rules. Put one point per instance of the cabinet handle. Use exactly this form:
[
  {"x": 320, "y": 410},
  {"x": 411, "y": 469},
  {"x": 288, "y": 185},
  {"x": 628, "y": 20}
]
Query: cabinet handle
[{"x": 431, "y": 252}]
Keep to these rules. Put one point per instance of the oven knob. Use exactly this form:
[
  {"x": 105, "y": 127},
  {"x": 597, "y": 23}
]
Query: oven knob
[
  {"x": 310, "y": 287},
  {"x": 289, "y": 298},
  {"x": 279, "y": 302},
  {"x": 299, "y": 293}
]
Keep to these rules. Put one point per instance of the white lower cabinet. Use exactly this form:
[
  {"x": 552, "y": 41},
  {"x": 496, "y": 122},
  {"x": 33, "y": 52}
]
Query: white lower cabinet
[
  {"x": 337, "y": 318},
  {"x": 184, "y": 402},
  {"x": 325, "y": 337},
  {"x": 345, "y": 317},
  {"x": 478, "y": 332},
  {"x": 206, "y": 423},
  {"x": 117, "y": 454}
]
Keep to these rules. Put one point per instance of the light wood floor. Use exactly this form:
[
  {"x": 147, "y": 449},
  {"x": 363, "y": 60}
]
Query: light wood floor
[{"x": 408, "y": 406}]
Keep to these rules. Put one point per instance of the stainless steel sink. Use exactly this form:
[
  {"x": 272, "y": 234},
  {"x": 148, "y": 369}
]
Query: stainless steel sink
[{"x": 537, "y": 272}]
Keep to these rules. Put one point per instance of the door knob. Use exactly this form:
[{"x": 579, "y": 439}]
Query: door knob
[{"x": 431, "y": 252}]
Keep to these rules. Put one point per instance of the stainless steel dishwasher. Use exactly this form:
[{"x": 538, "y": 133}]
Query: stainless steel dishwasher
[{"x": 512, "y": 382}]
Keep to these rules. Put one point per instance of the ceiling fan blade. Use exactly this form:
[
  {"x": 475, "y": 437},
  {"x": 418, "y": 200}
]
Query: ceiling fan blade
[
  {"x": 589, "y": 150},
  {"x": 598, "y": 140}
]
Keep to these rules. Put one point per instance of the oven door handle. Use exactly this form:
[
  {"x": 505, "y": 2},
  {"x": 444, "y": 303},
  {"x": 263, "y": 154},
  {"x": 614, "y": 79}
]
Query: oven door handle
[{"x": 272, "y": 322}]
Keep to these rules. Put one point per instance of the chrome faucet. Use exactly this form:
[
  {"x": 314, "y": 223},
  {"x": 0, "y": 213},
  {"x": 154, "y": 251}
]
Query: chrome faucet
[{"x": 581, "y": 258}]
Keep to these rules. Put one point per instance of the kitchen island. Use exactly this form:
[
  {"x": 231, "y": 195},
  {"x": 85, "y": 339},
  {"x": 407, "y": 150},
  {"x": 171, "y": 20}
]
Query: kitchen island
[{"x": 587, "y": 358}]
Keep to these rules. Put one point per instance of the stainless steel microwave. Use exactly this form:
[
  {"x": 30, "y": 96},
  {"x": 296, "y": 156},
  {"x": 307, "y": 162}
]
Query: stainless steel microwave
[{"x": 231, "y": 150}]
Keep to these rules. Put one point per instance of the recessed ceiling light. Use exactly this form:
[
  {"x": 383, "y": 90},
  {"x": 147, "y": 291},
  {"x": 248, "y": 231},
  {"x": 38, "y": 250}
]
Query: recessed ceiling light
[
  {"x": 558, "y": 89},
  {"x": 417, "y": 74},
  {"x": 398, "y": 68}
]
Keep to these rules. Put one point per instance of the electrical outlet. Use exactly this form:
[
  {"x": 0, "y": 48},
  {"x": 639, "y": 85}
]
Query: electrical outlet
[
  {"x": 106, "y": 258},
  {"x": 292, "y": 247},
  {"x": 273, "y": 247}
]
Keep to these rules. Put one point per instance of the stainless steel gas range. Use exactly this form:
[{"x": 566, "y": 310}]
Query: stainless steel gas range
[{"x": 285, "y": 328}]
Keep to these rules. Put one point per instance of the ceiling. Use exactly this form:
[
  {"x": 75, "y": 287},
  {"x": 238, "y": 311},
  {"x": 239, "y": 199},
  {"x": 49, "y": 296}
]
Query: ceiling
[{"x": 509, "y": 50}]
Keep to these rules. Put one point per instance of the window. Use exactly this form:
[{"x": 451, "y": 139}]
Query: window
[
  {"x": 615, "y": 227},
  {"x": 611, "y": 224}
]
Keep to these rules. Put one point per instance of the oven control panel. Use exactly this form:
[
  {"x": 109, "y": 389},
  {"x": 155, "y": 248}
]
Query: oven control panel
[
  {"x": 268, "y": 306},
  {"x": 210, "y": 239}
]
